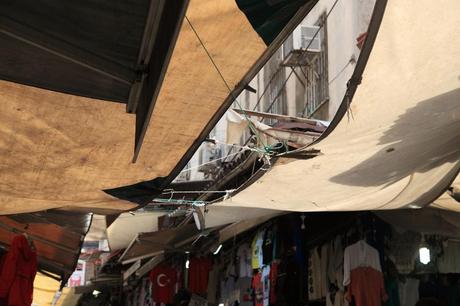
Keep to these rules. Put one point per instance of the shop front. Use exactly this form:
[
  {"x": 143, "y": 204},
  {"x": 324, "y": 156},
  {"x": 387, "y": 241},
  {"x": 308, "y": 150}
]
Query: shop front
[{"x": 352, "y": 258}]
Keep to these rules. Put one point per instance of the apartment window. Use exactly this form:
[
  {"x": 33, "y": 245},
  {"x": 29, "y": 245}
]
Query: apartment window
[
  {"x": 275, "y": 77},
  {"x": 185, "y": 174},
  {"x": 306, "y": 52}
]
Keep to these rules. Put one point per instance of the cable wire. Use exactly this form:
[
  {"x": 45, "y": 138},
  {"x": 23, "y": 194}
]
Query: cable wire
[
  {"x": 250, "y": 124},
  {"x": 269, "y": 150}
]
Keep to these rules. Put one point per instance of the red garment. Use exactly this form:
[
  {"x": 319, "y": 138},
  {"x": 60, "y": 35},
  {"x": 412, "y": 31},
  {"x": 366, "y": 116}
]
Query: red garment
[
  {"x": 199, "y": 274},
  {"x": 273, "y": 278},
  {"x": 367, "y": 287},
  {"x": 18, "y": 273},
  {"x": 258, "y": 288},
  {"x": 164, "y": 280}
]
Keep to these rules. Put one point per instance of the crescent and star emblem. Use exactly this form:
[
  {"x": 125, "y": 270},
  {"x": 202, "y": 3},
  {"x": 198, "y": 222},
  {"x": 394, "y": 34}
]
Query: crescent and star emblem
[{"x": 161, "y": 283}]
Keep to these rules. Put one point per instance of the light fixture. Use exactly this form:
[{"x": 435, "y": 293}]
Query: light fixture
[
  {"x": 425, "y": 257},
  {"x": 424, "y": 252},
  {"x": 96, "y": 293},
  {"x": 218, "y": 249},
  {"x": 198, "y": 218},
  {"x": 187, "y": 264}
]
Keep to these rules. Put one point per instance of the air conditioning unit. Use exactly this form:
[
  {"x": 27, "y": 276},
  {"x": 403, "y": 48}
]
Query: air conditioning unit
[{"x": 307, "y": 38}]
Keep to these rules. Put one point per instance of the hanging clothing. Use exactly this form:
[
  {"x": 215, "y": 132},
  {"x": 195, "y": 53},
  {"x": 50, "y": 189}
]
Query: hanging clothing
[
  {"x": 392, "y": 289},
  {"x": 164, "y": 280},
  {"x": 227, "y": 289},
  {"x": 243, "y": 259},
  {"x": 244, "y": 285},
  {"x": 256, "y": 249},
  {"x": 336, "y": 299},
  {"x": 289, "y": 282},
  {"x": 449, "y": 262},
  {"x": 268, "y": 246},
  {"x": 335, "y": 263},
  {"x": 366, "y": 287},
  {"x": 331, "y": 275},
  {"x": 142, "y": 292},
  {"x": 363, "y": 275},
  {"x": 258, "y": 288},
  {"x": 212, "y": 284},
  {"x": 357, "y": 255},
  {"x": 276, "y": 245},
  {"x": 314, "y": 275},
  {"x": 18, "y": 273},
  {"x": 408, "y": 292},
  {"x": 198, "y": 276},
  {"x": 298, "y": 243},
  {"x": 266, "y": 285},
  {"x": 324, "y": 263},
  {"x": 273, "y": 282}
]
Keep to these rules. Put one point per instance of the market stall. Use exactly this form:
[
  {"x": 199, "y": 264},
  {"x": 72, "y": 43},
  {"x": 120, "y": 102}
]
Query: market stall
[{"x": 349, "y": 258}]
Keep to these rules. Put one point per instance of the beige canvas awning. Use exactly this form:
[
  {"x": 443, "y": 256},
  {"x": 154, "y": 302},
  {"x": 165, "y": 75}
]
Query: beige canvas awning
[
  {"x": 398, "y": 145},
  {"x": 447, "y": 201},
  {"x": 149, "y": 244},
  {"x": 63, "y": 150},
  {"x": 426, "y": 220}
]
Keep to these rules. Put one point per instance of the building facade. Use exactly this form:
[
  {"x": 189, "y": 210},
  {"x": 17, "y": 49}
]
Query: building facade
[{"x": 306, "y": 78}]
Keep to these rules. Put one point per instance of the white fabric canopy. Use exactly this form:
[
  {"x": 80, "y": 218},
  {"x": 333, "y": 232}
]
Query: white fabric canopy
[
  {"x": 122, "y": 231},
  {"x": 399, "y": 146}
]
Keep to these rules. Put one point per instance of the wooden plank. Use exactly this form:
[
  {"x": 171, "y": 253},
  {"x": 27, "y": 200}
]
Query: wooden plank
[
  {"x": 133, "y": 268},
  {"x": 275, "y": 116}
]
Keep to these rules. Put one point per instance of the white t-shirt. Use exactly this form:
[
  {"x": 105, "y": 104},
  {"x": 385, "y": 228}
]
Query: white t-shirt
[
  {"x": 244, "y": 260},
  {"x": 357, "y": 255}
]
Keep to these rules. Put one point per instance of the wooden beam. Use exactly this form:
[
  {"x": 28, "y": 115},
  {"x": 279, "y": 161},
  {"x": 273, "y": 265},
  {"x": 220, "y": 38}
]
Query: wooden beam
[
  {"x": 275, "y": 116},
  {"x": 149, "y": 265}
]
